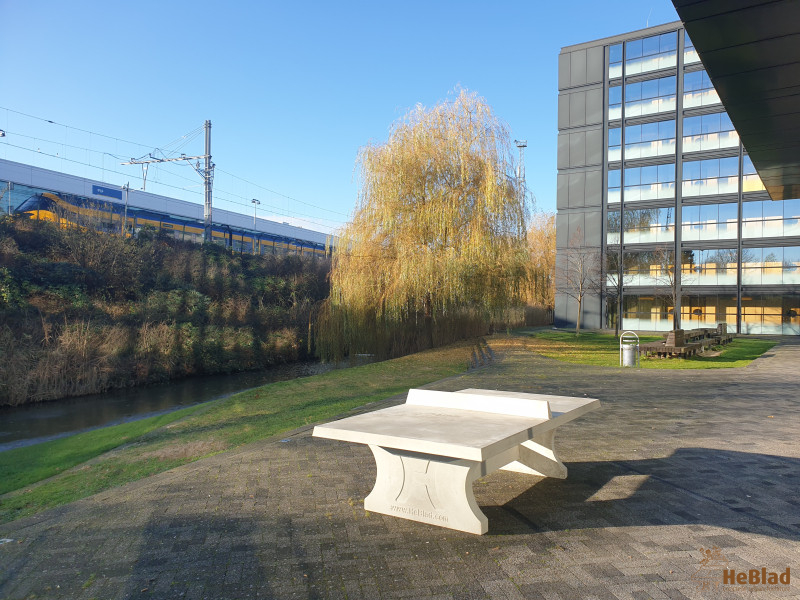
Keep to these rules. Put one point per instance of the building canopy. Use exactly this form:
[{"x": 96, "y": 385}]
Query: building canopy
[{"x": 751, "y": 52}]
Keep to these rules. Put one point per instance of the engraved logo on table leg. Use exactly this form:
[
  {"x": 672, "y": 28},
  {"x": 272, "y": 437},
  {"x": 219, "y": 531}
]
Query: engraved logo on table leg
[{"x": 419, "y": 486}]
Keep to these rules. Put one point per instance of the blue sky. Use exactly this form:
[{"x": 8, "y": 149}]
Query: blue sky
[{"x": 293, "y": 89}]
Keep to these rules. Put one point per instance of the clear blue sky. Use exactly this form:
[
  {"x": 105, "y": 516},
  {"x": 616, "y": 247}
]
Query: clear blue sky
[{"x": 293, "y": 89}]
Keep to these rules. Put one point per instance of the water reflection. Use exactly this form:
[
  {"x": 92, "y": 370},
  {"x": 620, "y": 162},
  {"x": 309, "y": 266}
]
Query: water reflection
[{"x": 34, "y": 423}]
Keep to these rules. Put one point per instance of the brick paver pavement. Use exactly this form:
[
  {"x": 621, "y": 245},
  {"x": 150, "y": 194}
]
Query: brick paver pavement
[{"x": 676, "y": 461}]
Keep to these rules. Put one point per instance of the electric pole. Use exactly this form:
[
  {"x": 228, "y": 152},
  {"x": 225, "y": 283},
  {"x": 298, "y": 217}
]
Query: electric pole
[
  {"x": 255, "y": 226},
  {"x": 126, "y": 188},
  {"x": 521, "y": 144},
  {"x": 206, "y": 172},
  {"x": 208, "y": 180}
]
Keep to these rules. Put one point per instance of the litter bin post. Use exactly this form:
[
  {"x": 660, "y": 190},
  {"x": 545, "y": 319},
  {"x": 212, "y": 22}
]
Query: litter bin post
[{"x": 628, "y": 349}]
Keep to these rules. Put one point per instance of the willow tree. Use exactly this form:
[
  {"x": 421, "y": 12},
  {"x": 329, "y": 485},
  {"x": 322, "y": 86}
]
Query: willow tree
[
  {"x": 542, "y": 265},
  {"x": 438, "y": 234}
]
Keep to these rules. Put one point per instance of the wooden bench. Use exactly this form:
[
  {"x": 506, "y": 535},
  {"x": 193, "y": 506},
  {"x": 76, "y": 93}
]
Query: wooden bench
[
  {"x": 429, "y": 450},
  {"x": 684, "y": 343}
]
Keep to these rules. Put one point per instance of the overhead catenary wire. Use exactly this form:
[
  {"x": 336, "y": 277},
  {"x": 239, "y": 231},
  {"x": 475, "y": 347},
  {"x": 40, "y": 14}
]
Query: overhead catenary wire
[
  {"x": 221, "y": 197},
  {"x": 165, "y": 151}
]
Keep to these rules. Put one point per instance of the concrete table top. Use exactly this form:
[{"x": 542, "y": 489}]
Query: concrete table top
[{"x": 429, "y": 450}]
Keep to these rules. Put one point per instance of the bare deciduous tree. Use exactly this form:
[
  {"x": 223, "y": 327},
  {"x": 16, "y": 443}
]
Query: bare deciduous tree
[
  {"x": 616, "y": 278},
  {"x": 580, "y": 273}
]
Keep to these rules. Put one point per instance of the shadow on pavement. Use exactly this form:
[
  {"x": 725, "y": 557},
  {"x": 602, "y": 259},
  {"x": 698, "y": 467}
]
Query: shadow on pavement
[{"x": 744, "y": 492}]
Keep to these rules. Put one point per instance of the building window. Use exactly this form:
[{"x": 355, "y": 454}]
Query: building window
[
  {"x": 701, "y": 310},
  {"x": 709, "y": 132},
  {"x": 612, "y": 227},
  {"x": 649, "y": 268},
  {"x": 650, "y": 225},
  {"x": 615, "y": 61},
  {"x": 648, "y": 313},
  {"x": 650, "y": 183},
  {"x": 771, "y": 266},
  {"x": 614, "y": 183},
  {"x": 709, "y": 221},
  {"x": 751, "y": 182},
  {"x": 650, "y": 139},
  {"x": 615, "y": 102},
  {"x": 698, "y": 90},
  {"x": 771, "y": 218},
  {"x": 614, "y": 144},
  {"x": 651, "y": 53},
  {"x": 709, "y": 267},
  {"x": 771, "y": 314},
  {"x": 650, "y": 97},
  {"x": 689, "y": 53},
  {"x": 711, "y": 177}
]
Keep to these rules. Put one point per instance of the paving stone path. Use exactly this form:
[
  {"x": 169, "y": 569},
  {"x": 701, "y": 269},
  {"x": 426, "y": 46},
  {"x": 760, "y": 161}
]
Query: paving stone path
[{"x": 675, "y": 462}]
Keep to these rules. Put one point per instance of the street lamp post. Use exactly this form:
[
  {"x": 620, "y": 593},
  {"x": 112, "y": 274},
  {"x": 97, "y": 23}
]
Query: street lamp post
[
  {"x": 255, "y": 225},
  {"x": 126, "y": 188}
]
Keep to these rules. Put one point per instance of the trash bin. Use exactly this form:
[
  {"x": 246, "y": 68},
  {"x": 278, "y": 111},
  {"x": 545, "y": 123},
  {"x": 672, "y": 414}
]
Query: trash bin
[
  {"x": 630, "y": 353},
  {"x": 629, "y": 349}
]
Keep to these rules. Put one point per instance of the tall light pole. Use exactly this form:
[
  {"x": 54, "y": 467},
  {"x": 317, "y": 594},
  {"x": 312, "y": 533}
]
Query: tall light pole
[
  {"x": 521, "y": 144},
  {"x": 255, "y": 225},
  {"x": 10, "y": 185},
  {"x": 126, "y": 188}
]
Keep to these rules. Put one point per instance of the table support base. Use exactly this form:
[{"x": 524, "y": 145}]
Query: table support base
[{"x": 427, "y": 488}]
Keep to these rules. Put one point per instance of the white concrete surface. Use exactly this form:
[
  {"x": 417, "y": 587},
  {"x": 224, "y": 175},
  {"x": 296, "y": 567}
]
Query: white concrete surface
[{"x": 429, "y": 450}]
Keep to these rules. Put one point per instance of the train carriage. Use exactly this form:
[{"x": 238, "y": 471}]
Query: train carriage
[{"x": 68, "y": 210}]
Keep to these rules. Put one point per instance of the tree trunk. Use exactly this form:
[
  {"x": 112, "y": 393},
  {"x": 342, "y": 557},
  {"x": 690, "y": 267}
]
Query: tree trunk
[
  {"x": 578, "y": 320},
  {"x": 429, "y": 320}
]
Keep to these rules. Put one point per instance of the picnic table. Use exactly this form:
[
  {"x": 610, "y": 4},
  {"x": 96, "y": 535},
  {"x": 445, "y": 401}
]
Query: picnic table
[{"x": 429, "y": 450}]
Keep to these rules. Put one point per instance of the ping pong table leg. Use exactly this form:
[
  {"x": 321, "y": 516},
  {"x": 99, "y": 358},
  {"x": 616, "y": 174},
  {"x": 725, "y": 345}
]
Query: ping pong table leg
[{"x": 426, "y": 488}]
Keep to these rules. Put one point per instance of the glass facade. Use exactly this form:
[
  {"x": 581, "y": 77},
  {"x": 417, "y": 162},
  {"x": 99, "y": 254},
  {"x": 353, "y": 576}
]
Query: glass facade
[
  {"x": 615, "y": 61},
  {"x": 650, "y": 139},
  {"x": 679, "y": 183},
  {"x": 710, "y": 222},
  {"x": 614, "y": 144},
  {"x": 709, "y": 132},
  {"x": 650, "y": 225},
  {"x": 12, "y": 195},
  {"x": 751, "y": 182},
  {"x": 690, "y": 55},
  {"x": 712, "y": 176},
  {"x": 650, "y": 97},
  {"x": 779, "y": 265},
  {"x": 649, "y": 183},
  {"x": 698, "y": 90},
  {"x": 717, "y": 266},
  {"x": 770, "y": 218},
  {"x": 771, "y": 314},
  {"x": 651, "y": 53},
  {"x": 615, "y": 102}
]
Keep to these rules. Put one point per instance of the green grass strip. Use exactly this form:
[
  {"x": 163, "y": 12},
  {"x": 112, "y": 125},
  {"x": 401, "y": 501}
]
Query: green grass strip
[
  {"x": 29, "y": 464},
  {"x": 600, "y": 349},
  {"x": 90, "y": 462}
]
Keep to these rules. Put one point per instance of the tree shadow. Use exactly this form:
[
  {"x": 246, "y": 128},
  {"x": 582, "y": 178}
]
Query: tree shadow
[{"x": 755, "y": 493}]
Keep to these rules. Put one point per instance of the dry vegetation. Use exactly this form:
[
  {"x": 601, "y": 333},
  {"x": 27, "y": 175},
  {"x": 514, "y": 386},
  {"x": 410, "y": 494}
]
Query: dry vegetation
[
  {"x": 82, "y": 312},
  {"x": 436, "y": 250}
]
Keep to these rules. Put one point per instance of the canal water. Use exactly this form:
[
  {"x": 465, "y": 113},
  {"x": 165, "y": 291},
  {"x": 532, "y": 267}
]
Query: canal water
[{"x": 34, "y": 423}]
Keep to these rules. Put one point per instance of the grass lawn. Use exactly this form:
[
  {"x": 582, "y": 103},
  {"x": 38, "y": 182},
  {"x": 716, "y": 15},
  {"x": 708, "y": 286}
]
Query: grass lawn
[
  {"x": 601, "y": 349},
  {"x": 45, "y": 475}
]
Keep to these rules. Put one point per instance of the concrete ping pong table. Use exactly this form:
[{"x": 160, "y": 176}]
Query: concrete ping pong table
[{"x": 429, "y": 450}]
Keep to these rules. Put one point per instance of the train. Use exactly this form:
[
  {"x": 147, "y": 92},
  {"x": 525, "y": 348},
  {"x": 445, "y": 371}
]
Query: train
[{"x": 114, "y": 217}]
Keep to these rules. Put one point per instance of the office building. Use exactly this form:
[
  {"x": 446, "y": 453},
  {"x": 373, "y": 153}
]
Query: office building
[{"x": 657, "y": 189}]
